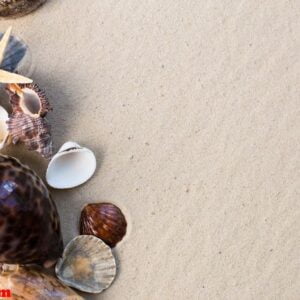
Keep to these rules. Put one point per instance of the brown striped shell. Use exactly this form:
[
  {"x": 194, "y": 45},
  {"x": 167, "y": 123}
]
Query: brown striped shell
[
  {"x": 33, "y": 284},
  {"x": 18, "y": 8},
  {"x": 29, "y": 222},
  {"x": 105, "y": 221},
  {"x": 27, "y": 123}
]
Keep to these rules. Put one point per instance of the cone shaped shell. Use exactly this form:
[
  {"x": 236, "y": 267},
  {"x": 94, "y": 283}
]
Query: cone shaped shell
[{"x": 32, "y": 283}]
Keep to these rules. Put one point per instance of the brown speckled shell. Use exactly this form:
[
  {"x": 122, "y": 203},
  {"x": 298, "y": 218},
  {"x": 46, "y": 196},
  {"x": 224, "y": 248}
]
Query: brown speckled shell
[
  {"x": 34, "y": 133},
  {"x": 18, "y": 8},
  {"x": 33, "y": 284},
  {"x": 29, "y": 222},
  {"x": 15, "y": 99},
  {"x": 105, "y": 221}
]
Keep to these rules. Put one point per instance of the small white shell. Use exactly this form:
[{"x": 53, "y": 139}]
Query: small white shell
[
  {"x": 4, "y": 135},
  {"x": 71, "y": 166},
  {"x": 87, "y": 265}
]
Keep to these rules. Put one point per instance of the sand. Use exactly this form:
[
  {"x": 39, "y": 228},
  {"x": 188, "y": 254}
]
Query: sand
[{"x": 192, "y": 109}]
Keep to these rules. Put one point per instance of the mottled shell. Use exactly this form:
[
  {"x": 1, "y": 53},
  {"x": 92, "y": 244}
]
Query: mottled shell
[
  {"x": 105, "y": 221},
  {"x": 17, "y": 57},
  {"x": 27, "y": 124},
  {"x": 18, "y": 8},
  {"x": 33, "y": 284},
  {"x": 87, "y": 265},
  {"x": 29, "y": 222}
]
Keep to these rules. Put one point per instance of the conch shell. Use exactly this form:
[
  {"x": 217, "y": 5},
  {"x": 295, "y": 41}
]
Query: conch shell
[
  {"x": 27, "y": 123},
  {"x": 4, "y": 134},
  {"x": 29, "y": 222},
  {"x": 31, "y": 283},
  {"x": 18, "y": 8}
]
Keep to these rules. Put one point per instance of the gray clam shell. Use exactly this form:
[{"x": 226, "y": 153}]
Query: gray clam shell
[
  {"x": 87, "y": 265},
  {"x": 17, "y": 57}
]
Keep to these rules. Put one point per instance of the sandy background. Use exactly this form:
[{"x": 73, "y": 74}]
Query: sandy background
[{"x": 192, "y": 108}]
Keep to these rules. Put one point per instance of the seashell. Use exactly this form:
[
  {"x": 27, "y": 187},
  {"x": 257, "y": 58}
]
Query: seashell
[
  {"x": 27, "y": 124},
  {"x": 29, "y": 222},
  {"x": 32, "y": 283},
  {"x": 17, "y": 57},
  {"x": 71, "y": 166},
  {"x": 18, "y": 8},
  {"x": 4, "y": 135},
  {"x": 87, "y": 265},
  {"x": 105, "y": 221}
]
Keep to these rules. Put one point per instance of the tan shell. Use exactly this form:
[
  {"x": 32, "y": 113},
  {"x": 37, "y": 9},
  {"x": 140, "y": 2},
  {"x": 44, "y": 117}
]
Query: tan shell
[
  {"x": 18, "y": 8},
  {"x": 27, "y": 124},
  {"x": 87, "y": 265},
  {"x": 33, "y": 284}
]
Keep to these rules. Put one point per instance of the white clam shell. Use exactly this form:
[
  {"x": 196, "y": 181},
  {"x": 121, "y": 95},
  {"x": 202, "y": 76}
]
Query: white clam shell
[
  {"x": 87, "y": 265},
  {"x": 71, "y": 166},
  {"x": 4, "y": 135}
]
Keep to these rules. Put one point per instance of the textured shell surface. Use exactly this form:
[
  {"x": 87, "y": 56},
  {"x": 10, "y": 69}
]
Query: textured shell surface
[
  {"x": 29, "y": 222},
  {"x": 33, "y": 284},
  {"x": 105, "y": 221},
  {"x": 27, "y": 123},
  {"x": 72, "y": 166},
  {"x": 87, "y": 265},
  {"x": 18, "y": 8},
  {"x": 4, "y": 134},
  {"x": 17, "y": 57}
]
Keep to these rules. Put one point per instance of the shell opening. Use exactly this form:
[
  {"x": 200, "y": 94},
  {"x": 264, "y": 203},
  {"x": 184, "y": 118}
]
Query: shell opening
[{"x": 30, "y": 102}]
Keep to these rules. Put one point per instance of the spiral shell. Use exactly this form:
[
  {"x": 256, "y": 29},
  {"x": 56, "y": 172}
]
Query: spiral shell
[
  {"x": 32, "y": 283},
  {"x": 18, "y": 8},
  {"x": 27, "y": 124},
  {"x": 29, "y": 222},
  {"x": 105, "y": 221}
]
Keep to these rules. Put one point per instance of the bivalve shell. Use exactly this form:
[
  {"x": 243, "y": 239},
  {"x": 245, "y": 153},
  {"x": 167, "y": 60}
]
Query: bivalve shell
[
  {"x": 87, "y": 265},
  {"x": 71, "y": 166},
  {"x": 105, "y": 221}
]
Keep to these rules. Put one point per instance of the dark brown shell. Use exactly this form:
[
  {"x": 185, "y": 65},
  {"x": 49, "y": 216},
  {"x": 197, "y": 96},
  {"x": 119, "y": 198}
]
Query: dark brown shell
[
  {"x": 29, "y": 222},
  {"x": 34, "y": 133},
  {"x": 105, "y": 221},
  {"x": 18, "y": 8},
  {"x": 33, "y": 284}
]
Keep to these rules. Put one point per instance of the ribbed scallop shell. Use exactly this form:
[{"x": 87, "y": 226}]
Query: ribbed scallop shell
[
  {"x": 33, "y": 284},
  {"x": 105, "y": 221},
  {"x": 87, "y": 265},
  {"x": 18, "y": 8},
  {"x": 34, "y": 133},
  {"x": 29, "y": 222},
  {"x": 17, "y": 57}
]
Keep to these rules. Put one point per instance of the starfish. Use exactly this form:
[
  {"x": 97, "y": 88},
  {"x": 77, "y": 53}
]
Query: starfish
[{"x": 5, "y": 76}]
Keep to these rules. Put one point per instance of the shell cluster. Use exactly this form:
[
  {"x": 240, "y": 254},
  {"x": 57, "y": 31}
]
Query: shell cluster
[{"x": 30, "y": 233}]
